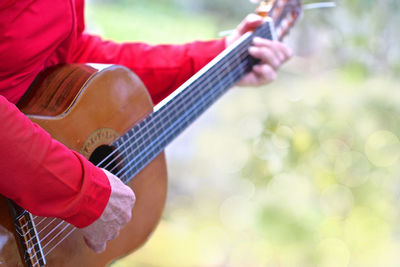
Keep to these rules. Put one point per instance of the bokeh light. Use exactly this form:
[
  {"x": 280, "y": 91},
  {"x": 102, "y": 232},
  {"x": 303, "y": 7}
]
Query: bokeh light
[{"x": 303, "y": 172}]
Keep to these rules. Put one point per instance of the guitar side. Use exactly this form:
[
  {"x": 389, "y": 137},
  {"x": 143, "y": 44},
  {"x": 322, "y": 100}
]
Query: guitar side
[{"x": 83, "y": 112}]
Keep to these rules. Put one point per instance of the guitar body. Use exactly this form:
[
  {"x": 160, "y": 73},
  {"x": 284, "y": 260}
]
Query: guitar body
[
  {"x": 88, "y": 110},
  {"x": 85, "y": 110}
]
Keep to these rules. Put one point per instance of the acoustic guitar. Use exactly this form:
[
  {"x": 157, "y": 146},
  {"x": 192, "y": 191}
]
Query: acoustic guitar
[{"x": 107, "y": 115}]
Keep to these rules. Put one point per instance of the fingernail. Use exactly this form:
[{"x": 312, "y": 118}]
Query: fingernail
[
  {"x": 252, "y": 50},
  {"x": 257, "y": 68},
  {"x": 254, "y": 17},
  {"x": 257, "y": 39}
]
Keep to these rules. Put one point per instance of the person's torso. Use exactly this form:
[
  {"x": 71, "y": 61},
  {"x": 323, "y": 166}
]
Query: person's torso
[{"x": 34, "y": 34}]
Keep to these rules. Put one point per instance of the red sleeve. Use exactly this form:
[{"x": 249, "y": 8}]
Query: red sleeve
[
  {"x": 70, "y": 187},
  {"x": 162, "y": 68}
]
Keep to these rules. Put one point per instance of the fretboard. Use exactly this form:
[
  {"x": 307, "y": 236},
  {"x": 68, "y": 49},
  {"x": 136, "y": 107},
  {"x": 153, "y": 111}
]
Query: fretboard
[{"x": 147, "y": 139}]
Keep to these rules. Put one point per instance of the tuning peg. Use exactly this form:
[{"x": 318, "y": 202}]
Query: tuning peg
[{"x": 264, "y": 7}]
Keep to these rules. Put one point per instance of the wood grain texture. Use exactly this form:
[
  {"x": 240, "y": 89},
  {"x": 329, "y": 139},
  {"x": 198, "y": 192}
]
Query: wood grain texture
[
  {"x": 54, "y": 89},
  {"x": 114, "y": 98},
  {"x": 10, "y": 253}
]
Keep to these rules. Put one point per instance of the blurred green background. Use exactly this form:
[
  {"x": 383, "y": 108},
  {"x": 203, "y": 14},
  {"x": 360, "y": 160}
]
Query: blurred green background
[{"x": 302, "y": 172}]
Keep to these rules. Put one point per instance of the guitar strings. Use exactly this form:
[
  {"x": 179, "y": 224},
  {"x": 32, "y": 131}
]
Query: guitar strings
[
  {"x": 240, "y": 69},
  {"x": 70, "y": 232},
  {"x": 240, "y": 46},
  {"x": 59, "y": 242},
  {"x": 229, "y": 76},
  {"x": 147, "y": 155},
  {"x": 46, "y": 225},
  {"x": 34, "y": 241},
  {"x": 33, "y": 257},
  {"x": 37, "y": 224},
  {"x": 51, "y": 231},
  {"x": 57, "y": 234},
  {"x": 73, "y": 229},
  {"x": 54, "y": 237},
  {"x": 140, "y": 137}
]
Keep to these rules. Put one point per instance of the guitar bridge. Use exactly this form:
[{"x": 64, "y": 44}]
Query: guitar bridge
[{"x": 26, "y": 231}]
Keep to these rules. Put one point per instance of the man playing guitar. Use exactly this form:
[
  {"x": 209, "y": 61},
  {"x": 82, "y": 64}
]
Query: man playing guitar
[{"x": 41, "y": 174}]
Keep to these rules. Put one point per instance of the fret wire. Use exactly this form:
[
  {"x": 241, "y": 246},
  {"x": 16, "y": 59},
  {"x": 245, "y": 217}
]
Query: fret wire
[
  {"x": 183, "y": 96},
  {"x": 202, "y": 91},
  {"x": 141, "y": 136},
  {"x": 168, "y": 130},
  {"x": 147, "y": 158},
  {"x": 184, "y": 122},
  {"x": 221, "y": 63},
  {"x": 231, "y": 82},
  {"x": 142, "y": 161},
  {"x": 178, "y": 127},
  {"x": 240, "y": 46},
  {"x": 128, "y": 147},
  {"x": 130, "y": 137},
  {"x": 204, "y": 103},
  {"x": 246, "y": 43},
  {"x": 179, "y": 99},
  {"x": 139, "y": 147}
]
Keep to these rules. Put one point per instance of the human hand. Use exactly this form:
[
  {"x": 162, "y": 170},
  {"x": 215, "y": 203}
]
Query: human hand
[
  {"x": 116, "y": 214},
  {"x": 272, "y": 54}
]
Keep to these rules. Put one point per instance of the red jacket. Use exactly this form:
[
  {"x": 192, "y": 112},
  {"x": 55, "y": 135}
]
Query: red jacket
[{"x": 37, "y": 172}]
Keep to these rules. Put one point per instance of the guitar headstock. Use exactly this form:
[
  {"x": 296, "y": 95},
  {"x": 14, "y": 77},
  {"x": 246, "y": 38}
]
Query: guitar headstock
[{"x": 284, "y": 13}]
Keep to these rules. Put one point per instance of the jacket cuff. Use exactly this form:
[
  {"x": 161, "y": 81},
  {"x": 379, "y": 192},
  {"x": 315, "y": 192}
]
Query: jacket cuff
[{"x": 96, "y": 191}]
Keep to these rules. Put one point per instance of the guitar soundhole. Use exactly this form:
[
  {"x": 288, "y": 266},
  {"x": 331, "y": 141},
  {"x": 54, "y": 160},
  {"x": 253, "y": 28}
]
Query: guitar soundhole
[{"x": 109, "y": 160}]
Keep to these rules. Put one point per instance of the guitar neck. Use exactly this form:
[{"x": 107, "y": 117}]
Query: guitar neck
[{"x": 147, "y": 139}]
